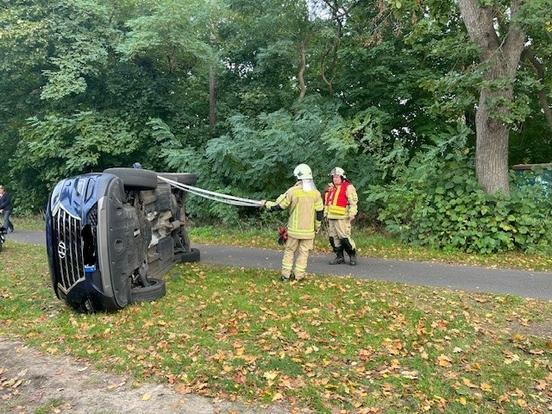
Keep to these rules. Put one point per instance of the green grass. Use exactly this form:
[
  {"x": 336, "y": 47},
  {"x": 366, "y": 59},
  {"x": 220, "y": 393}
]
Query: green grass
[
  {"x": 373, "y": 244},
  {"x": 327, "y": 343},
  {"x": 49, "y": 407},
  {"x": 28, "y": 222}
]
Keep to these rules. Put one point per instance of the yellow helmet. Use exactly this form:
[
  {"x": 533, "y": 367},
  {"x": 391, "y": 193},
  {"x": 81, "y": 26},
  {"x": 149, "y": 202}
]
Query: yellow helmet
[{"x": 303, "y": 172}]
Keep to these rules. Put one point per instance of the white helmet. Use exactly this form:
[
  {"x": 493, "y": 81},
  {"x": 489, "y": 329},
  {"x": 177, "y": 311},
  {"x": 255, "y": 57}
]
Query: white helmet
[
  {"x": 338, "y": 171},
  {"x": 303, "y": 172}
]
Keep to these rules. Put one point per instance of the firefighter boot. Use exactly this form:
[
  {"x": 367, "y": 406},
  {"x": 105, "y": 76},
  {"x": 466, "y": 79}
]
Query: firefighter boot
[
  {"x": 332, "y": 243},
  {"x": 352, "y": 258},
  {"x": 339, "y": 259},
  {"x": 350, "y": 251}
]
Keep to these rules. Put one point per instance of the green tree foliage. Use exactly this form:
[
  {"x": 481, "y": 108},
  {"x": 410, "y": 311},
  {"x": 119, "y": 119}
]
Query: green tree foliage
[{"x": 241, "y": 91}]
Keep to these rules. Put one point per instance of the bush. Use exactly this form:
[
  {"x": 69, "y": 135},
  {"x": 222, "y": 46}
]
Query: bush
[
  {"x": 256, "y": 157},
  {"x": 436, "y": 201}
]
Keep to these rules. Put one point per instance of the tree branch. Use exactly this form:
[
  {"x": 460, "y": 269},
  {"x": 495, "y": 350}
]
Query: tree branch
[
  {"x": 515, "y": 39},
  {"x": 302, "y": 67},
  {"x": 479, "y": 24},
  {"x": 540, "y": 70}
]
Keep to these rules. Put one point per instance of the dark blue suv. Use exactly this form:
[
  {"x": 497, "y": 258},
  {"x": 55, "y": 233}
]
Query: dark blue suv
[{"x": 111, "y": 235}]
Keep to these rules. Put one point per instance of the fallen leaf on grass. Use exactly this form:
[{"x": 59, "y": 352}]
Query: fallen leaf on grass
[
  {"x": 485, "y": 387},
  {"x": 182, "y": 389},
  {"x": 17, "y": 383},
  {"x": 277, "y": 396},
  {"x": 413, "y": 375},
  {"x": 270, "y": 375},
  {"x": 541, "y": 385},
  {"x": 239, "y": 378},
  {"x": 521, "y": 402},
  {"x": 387, "y": 389},
  {"x": 468, "y": 383},
  {"x": 365, "y": 354},
  {"x": 510, "y": 357},
  {"x": 444, "y": 361},
  {"x": 370, "y": 410},
  {"x": 113, "y": 386}
]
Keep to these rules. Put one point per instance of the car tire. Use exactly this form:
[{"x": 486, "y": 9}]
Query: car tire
[
  {"x": 192, "y": 256},
  {"x": 182, "y": 178},
  {"x": 135, "y": 179},
  {"x": 156, "y": 290}
]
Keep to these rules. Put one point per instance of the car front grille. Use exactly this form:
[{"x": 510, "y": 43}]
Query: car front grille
[
  {"x": 68, "y": 249},
  {"x": 93, "y": 216}
]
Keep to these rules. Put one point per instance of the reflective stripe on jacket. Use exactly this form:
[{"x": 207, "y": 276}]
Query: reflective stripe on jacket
[{"x": 303, "y": 206}]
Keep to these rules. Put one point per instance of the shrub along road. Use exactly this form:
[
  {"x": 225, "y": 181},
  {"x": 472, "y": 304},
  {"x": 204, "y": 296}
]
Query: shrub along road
[{"x": 469, "y": 278}]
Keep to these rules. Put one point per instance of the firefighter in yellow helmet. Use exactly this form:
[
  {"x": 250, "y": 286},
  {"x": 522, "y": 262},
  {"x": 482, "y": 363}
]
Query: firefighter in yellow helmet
[
  {"x": 306, "y": 212},
  {"x": 340, "y": 208}
]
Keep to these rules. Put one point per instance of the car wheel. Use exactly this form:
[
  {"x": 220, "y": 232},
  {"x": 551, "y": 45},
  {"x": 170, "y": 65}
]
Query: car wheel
[
  {"x": 192, "y": 256},
  {"x": 182, "y": 178},
  {"x": 156, "y": 290},
  {"x": 135, "y": 179}
]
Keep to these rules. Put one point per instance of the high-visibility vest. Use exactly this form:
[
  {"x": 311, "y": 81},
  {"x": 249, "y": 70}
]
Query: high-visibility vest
[{"x": 336, "y": 200}]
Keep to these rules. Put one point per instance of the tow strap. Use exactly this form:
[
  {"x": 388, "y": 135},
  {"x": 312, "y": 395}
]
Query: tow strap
[{"x": 212, "y": 195}]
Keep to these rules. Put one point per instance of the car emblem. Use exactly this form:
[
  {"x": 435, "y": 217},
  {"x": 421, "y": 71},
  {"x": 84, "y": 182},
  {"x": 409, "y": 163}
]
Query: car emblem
[{"x": 62, "y": 250}]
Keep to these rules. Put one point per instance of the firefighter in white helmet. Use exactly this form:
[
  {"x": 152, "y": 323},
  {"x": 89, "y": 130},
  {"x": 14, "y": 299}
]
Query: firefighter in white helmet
[
  {"x": 306, "y": 212},
  {"x": 340, "y": 208}
]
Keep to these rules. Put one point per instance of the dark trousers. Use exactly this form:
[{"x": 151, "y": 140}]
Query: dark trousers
[{"x": 7, "y": 222}]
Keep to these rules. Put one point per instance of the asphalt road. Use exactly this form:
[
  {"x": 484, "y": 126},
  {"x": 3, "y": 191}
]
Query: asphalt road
[{"x": 468, "y": 278}]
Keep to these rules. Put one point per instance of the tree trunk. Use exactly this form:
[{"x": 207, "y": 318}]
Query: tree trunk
[
  {"x": 301, "y": 74},
  {"x": 328, "y": 82},
  {"x": 491, "y": 153},
  {"x": 501, "y": 58},
  {"x": 212, "y": 97}
]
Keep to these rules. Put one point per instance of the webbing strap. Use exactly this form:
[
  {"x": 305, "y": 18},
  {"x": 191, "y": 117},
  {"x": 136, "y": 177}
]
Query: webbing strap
[{"x": 212, "y": 195}]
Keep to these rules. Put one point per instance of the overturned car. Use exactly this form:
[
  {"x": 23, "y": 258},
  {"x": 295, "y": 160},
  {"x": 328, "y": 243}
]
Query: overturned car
[{"x": 111, "y": 235}]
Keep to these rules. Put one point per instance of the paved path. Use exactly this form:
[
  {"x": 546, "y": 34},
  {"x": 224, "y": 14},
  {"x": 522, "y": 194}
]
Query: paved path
[{"x": 470, "y": 278}]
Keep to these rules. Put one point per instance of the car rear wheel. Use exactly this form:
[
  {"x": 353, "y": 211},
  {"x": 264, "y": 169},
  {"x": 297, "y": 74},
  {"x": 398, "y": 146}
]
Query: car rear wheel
[
  {"x": 154, "y": 291},
  {"x": 192, "y": 256},
  {"x": 135, "y": 179}
]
